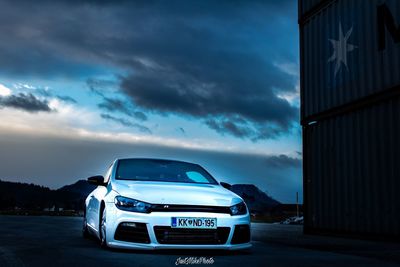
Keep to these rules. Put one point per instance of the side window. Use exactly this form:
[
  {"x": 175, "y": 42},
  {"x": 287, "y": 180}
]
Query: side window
[{"x": 108, "y": 174}]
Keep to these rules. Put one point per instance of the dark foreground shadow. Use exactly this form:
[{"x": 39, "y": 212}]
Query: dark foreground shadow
[
  {"x": 175, "y": 252},
  {"x": 185, "y": 252}
]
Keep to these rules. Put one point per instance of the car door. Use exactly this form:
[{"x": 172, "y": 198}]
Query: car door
[
  {"x": 93, "y": 202},
  {"x": 96, "y": 198}
]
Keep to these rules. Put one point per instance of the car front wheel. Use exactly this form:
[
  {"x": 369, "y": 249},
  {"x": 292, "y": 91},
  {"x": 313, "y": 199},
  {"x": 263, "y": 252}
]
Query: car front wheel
[
  {"x": 85, "y": 231},
  {"x": 103, "y": 227}
]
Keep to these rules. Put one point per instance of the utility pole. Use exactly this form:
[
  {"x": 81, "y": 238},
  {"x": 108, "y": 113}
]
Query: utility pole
[{"x": 297, "y": 203}]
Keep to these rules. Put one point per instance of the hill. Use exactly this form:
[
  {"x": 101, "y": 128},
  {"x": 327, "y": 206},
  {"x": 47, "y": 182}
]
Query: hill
[
  {"x": 23, "y": 196},
  {"x": 81, "y": 187},
  {"x": 257, "y": 200}
]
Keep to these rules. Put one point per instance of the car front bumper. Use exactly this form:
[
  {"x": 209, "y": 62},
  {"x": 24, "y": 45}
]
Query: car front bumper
[{"x": 116, "y": 216}]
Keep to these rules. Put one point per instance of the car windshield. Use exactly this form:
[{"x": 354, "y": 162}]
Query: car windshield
[{"x": 162, "y": 171}]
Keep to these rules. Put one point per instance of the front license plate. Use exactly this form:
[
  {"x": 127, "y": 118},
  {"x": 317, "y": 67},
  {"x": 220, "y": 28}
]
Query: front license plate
[{"x": 197, "y": 223}]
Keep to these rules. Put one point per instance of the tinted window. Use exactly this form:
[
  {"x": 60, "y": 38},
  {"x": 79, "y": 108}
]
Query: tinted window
[{"x": 162, "y": 170}]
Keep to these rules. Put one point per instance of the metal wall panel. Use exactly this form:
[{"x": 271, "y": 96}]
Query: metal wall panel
[
  {"x": 352, "y": 173},
  {"x": 307, "y": 5},
  {"x": 359, "y": 68}
]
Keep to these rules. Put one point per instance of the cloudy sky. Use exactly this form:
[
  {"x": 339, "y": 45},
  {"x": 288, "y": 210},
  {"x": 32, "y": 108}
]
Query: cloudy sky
[{"x": 214, "y": 82}]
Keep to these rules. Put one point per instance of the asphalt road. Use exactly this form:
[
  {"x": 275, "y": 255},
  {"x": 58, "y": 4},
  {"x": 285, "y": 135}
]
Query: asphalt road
[{"x": 56, "y": 241}]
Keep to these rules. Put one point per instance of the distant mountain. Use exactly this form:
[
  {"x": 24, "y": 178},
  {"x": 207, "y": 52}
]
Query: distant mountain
[
  {"x": 28, "y": 196},
  {"x": 71, "y": 197},
  {"x": 34, "y": 197},
  {"x": 81, "y": 187},
  {"x": 256, "y": 200}
]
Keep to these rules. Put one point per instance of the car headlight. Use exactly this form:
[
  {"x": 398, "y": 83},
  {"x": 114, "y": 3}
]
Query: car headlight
[
  {"x": 239, "y": 209},
  {"x": 129, "y": 204}
]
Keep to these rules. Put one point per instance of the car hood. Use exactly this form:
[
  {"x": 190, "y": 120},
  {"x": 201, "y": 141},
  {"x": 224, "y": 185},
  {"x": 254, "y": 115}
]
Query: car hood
[{"x": 176, "y": 193}]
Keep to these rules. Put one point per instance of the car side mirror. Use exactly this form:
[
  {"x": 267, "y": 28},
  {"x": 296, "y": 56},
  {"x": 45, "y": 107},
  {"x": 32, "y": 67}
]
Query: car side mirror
[
  {"x": 226, "y": 185},
  {"x": 96, "y": 180}
]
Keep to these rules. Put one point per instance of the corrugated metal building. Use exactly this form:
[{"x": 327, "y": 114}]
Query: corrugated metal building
[{"x": 350, "y": 114}]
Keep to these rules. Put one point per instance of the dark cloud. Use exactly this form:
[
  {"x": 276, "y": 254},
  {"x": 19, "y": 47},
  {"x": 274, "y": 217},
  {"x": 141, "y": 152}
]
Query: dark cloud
[
  {"x": 48, "y": 93},
  {"x": 86, "y": 2},
  {"x": 140, "y": 115},
  {"x": 215, "y": 61},
  {"x": 241, "y": 128},
  {"x": 181, "y": 130},
  {"x": 126, "y": 123},
  {"x": 26, "y": 102},
  {"x": 100, "y": 86},
  {"x": 112, "y": 104},
  {"x": 118, "y": 105},
  {"x": 66, "y": 98},
  {"x": 284, "y": 161},
  {"x": 200, "y": 76},
  {"x": 230, "y": 127},
  {"x": 209, "y": 71}
]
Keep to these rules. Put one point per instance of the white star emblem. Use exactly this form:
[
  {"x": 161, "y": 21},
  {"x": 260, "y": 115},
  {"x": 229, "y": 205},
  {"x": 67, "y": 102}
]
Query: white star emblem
[{"x": 341, "y": 48}]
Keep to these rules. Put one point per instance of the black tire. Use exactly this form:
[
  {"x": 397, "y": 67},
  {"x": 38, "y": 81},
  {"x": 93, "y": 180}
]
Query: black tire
[
  {"x": 85, "y": 230},
  {"x": 102, "y": 229}
]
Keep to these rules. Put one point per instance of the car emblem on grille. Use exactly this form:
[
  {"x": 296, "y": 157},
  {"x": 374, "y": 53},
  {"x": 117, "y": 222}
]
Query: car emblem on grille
[{"x": 166, "y": 206}]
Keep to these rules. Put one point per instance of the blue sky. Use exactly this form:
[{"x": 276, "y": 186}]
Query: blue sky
[{"x": 206, "y": 81}]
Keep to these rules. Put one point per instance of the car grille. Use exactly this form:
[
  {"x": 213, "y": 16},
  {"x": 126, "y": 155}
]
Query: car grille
[
  {"x": 168, "y": 235},
  {"x": 132, "y": 232},
  {"x": 189, "y": 208},
  {"x": 241, "y": 234}
]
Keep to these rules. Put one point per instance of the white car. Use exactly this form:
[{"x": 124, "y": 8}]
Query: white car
[{"x": 164, "y": 204}]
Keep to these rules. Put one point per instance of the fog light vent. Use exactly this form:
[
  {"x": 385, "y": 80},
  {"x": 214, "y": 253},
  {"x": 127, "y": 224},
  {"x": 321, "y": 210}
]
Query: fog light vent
[
  {"x": 241, "y": 234},
  {"x": 132, "y": 232}
]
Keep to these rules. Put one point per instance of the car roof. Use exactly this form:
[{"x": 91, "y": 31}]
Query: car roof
[{"x": 157, "y": 159}]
